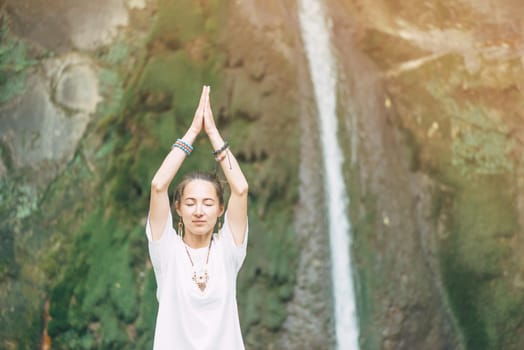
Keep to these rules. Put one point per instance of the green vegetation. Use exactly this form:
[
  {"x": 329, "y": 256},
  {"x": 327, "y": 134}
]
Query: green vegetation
[
  {"x": 476, "y": 262},
  {"x": 480, "y": 138},
  {"x": 480, "y": 144},
  {"x": 117, "y": 53},
  {"x": 106, "y": 297},
  {"x": 97, "y": 296},
  {"x": 477, "y": 259},
  {"x": 470, "y": 154},
  {"x": 14, "y": 63},
  {"x": 112, "y": 92},
  {"x": 267, "y": 278}
]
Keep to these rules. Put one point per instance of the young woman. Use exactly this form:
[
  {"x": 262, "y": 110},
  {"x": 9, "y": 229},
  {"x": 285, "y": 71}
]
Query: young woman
[{"x": 195, "y": 269}]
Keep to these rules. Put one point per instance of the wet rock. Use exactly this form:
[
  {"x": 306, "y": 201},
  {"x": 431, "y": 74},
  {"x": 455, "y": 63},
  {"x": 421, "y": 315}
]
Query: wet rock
[
  {"x": 42, "y": 134},
  {"x": 136, "y": 4},
  {"x": 452, "y": 74},
  {"x": 57, "y": 25},
  {"x": 389, "y": 344},
  {"x": 96, "y": 23},
  {"x": 428, "y": 91},
  {"x": 75, "y": 83},
  {"x": 3, "y": 169}
]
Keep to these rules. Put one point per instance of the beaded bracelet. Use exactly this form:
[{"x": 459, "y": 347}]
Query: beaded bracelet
[
  {"x": 221, "y": 149},
  {"x": 220, "y": 157},
  {"x": 184, "y": 146}
]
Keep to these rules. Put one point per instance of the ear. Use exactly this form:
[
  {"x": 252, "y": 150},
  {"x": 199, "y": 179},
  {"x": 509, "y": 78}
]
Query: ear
[
  {"x": 177, "y": 208},
  {"x": 221, "y": 212}
]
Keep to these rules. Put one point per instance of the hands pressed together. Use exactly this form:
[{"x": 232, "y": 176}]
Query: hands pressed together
[{"x": 203, "y": 118}]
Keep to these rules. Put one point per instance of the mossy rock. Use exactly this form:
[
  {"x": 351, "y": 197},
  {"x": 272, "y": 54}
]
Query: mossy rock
[
  {"x": 15, "y": 62},
  {"x": 100, "y": 285},
  {"x": 477, "y": 263}
]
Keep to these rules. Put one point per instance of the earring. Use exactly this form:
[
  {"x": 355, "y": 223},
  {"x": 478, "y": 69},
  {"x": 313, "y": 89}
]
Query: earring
[{"x": 181, "y": 228}]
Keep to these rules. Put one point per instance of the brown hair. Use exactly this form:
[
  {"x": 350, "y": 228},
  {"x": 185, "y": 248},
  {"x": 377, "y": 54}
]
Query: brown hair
[{"x": 212, "y": 178}]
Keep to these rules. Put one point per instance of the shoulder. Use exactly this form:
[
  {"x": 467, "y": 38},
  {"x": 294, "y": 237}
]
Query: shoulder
[
  {"x": 235, "y": 253},
  {"x": 227, "y": 233}
]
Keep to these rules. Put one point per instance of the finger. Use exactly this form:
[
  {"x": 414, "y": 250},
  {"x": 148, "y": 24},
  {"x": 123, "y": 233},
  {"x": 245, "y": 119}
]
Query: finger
[
  {"x": 203, "y": 95},
  {"x": 206, "y": 103},
  {"x": 210, "y": 122},
  {"x": 202, "y": 101}
]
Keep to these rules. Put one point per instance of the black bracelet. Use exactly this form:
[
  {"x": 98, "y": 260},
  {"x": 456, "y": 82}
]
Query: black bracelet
[{"x": 221, "y": 149}]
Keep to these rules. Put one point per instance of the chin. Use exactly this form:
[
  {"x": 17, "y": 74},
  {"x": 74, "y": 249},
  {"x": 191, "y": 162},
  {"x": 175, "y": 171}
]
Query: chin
[{"x": 201, "y": 231}]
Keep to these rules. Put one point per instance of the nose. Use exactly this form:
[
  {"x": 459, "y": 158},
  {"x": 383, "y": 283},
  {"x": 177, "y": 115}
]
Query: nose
[{"x": 198, "y": 210}]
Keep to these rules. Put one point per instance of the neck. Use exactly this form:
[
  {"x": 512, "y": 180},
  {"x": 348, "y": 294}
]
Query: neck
[{"x": 197, "y": 241}]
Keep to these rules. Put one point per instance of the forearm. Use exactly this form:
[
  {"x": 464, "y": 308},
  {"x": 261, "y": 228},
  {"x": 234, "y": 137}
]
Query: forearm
[
  {"x": 171, "y": 165},
  {"x": 234, "y": 176}
]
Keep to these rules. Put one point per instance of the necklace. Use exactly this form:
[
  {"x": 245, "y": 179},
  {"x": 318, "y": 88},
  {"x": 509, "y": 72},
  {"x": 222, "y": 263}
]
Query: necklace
[{"x": 200, "y": 276}]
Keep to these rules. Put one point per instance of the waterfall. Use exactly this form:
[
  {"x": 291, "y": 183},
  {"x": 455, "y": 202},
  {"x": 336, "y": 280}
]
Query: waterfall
[{"x": 322, "y": 66}]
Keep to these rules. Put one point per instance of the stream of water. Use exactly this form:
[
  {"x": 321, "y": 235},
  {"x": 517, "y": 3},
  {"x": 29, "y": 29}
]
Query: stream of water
[{"x": 322, "y": 66}]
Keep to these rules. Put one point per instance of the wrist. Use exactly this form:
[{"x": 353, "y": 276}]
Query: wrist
[
  {"x": 215, "y": 138},
  {"x": 190, "y": 136},
  {"x": 184, "y": 146},
  {"x": 218, "y": 152}
]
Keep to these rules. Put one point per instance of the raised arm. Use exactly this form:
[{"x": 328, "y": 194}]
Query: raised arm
[
  {"x": 159, "y": 203},
  {"x": 237, "y": 205}
]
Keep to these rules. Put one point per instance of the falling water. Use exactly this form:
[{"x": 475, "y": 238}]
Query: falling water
[{"x": 316, "y": 38}]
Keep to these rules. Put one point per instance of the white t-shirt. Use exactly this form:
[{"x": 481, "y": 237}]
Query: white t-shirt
[{"x": 189, "y": 318}]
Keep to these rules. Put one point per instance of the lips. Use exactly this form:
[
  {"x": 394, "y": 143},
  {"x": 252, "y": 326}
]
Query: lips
[{"x": 197, "y": 222}]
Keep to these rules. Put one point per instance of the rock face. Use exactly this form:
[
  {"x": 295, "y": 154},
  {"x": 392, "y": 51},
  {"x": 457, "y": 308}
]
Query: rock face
[
  {"x": 433, "y": 93},
  {"x": 430, "y": 118},
  {"x": 106, "y": 118},
  {"x": 59, "y": 25},
  {"x": 42, "y": 127}
]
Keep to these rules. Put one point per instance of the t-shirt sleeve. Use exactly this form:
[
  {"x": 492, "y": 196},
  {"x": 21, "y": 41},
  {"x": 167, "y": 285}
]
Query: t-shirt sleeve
[
  {"x": 236, "y": 252},
  {"x": 160, "y": 250}
]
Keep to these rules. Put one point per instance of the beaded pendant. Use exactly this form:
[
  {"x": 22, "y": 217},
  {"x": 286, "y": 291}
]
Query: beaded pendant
[
  {"x": 200, "y": 278},
  {"x": 200, "y": 275}
]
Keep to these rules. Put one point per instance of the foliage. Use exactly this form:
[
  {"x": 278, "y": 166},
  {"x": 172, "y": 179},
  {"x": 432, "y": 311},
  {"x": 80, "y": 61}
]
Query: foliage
[
  {"x": 480, "y": 146},
  {"x": 476, "y": 261},
  {"x": 17, "y": 202},
  {"x": 20, "y": 311},
  {"x": 267, "y": 278},
  {"x": 111, "y": 90},
  {"x": 100, "y": 303},
  {"x": 14, "y": 63},
  {"x": 479, "y": 137},
  {"x": 100, "y": 283},
  {"x": 117, "y": 53},
  {"x": 477, "y": 256}
]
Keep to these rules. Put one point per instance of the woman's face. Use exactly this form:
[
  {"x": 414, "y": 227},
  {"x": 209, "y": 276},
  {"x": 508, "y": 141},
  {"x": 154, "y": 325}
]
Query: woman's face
[{"x": 199, "y": 207}]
